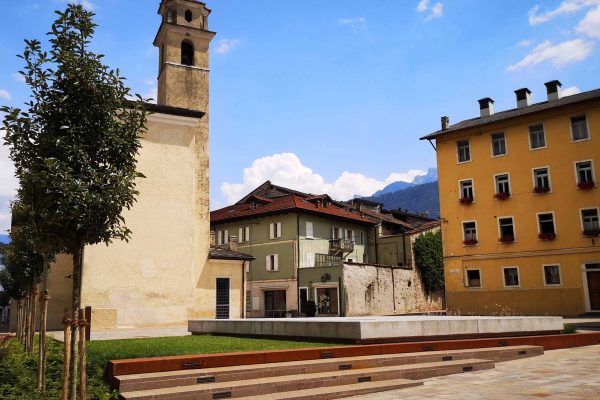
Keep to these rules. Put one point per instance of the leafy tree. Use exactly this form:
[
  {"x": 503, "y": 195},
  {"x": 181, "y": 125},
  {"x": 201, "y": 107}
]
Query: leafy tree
[
  {"x": 429, "y": 260},
  {"x": 75, "y": 146}
]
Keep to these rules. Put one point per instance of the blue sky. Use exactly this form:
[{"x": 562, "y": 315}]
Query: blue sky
[{"x": 332, "y": 96}]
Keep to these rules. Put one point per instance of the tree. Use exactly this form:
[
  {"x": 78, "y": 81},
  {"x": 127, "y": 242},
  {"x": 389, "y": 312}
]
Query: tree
[
  {"x": 429, "y": 260},
  {"x": 76, "y": 145}
]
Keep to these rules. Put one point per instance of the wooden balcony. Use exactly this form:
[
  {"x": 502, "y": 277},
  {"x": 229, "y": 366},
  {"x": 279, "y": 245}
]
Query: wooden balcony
[{"x": 337, "y": 246}]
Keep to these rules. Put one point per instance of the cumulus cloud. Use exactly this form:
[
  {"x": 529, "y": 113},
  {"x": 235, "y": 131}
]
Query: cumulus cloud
[
  {"x": 358, "y": 22},
  {"x": 570, "y": 91},
  {"x": 287, "y": 170},
  {"x": 435, "y": 11},
  {"x": 566, "y": 7},
  {"x": 4, "y": 94},
  {"x": 226, "y": 45},
  {"x": 524, "y": 43},
  {"x": 590, "y": 24},
  {"x": 8, "y": 184},
  {"x": 559, "y": 54},
  {"x": 423, "y": 5}
]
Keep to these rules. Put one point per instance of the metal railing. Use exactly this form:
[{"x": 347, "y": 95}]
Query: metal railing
[
  {"x": 325, "y": 260},
  {"x": 343, "y": 245}
]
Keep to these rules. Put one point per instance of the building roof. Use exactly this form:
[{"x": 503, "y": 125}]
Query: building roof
[
  {"x": 220, "y": 253},
  {"x": 515, "y": 112},
  {"x": 286, "y": 203},
  {"x": 181, "y": 112}
]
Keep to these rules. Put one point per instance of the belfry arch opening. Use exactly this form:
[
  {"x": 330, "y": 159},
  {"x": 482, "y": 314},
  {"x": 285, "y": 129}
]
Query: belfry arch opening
[{"x": 187, "y": 53}]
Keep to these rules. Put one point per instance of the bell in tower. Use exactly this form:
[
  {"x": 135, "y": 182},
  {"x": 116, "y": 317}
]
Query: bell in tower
[{"x": 183, "y": 41}]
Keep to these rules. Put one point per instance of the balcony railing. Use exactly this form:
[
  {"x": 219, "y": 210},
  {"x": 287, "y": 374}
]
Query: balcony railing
[
  {"x": 325, "y": 260},
  {"x": 341, "y": 246}
]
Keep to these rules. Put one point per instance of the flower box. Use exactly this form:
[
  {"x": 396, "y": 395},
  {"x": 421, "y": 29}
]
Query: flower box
[
  {"x": 502, "y": 196},
  {"x": 507, "y": 239},
  {"x": 586, "y": 185},
  {"x": 591, "y": 232},
  {"x": 547, "y": 236},
  {"x": 541, "y": 189},
  {"x": 470, "y": 242},
  {"x": 465, "y": 200}
]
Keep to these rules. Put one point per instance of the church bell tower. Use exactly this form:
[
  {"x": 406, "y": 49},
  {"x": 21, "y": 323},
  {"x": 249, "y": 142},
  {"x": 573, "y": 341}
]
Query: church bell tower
[{"x": 183, "y": 41}]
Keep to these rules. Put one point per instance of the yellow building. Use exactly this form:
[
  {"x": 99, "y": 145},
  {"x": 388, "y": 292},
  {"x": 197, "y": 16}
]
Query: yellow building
[
  {"x": 520, "y": 204},
  {"x": 167, "y": 273}
]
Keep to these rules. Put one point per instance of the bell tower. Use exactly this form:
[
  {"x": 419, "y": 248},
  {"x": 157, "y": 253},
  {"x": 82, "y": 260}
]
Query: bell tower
[{"x": 183, "y": 41}]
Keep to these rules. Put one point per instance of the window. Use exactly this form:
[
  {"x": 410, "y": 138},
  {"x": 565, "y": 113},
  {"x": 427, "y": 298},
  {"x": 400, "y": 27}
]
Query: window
[
  {"x": 585, "y": 174},
  {"x": 244, "y": 234},
  {"x": 470, "y": 233},
  {"x": 537, "y": 137},
  {"x": 359, "y": 239},
  {"x": 466, "y": 191},
  {"x": 309, "y": 229},
  {"x": 310, "y": 260},
  {"x": 502, "y": 186},
  {"x": 273, "y": 262},
  {"x": 349, "y": 234},
  {"x": 546, "y": 226},
  {"x": 551, "y": 275},
  {"x": 187, "y": 53},
  {"x": 335, "y": 232},
  {"x": 188, "y": 16},
  {"x": 511, "y": 276},
  {"x": 464, "y": 151},
  {"x": 473, "y": 278},
  {"x": 507, "y": 231},
  {"x": 579, "y": 128},
  {"x": 223, "y": 237},
  {"x": 589, "y": 221},
  {"x": 275, "y": 230},
  {"x": 541, "y": 180},
  {"x": 498, "y": 144}
]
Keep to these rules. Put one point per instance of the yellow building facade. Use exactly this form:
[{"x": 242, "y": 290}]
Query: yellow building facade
[{"x": 519, "y": 206}]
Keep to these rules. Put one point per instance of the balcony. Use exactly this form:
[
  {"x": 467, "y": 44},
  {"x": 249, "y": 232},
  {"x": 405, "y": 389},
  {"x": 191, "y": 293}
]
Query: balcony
[
  {"x": 337, "y": 246},
  {"x": 325, "y": 260}
]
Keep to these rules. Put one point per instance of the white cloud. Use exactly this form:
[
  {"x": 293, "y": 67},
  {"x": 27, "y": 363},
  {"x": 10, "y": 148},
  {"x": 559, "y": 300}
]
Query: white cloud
[
  {"x": 570, "y": 91},
  {"x": 358, "y": 22},
  {"x": 287, "y": 170},
  {"x": 226, "y": 45},
  {"x": 88, "y": 5},
  {"x": 423, "y": 5},
  {"x": 4, "y": 94},
  {"x": 524, "y": 43},
  {"x": 8, "y": 184},
  {"x": 590, "y": 24},
  {"x": 437, "y": 11},
  {"x": 566, "y": 7},
  {"x": 560, "y": 54}
]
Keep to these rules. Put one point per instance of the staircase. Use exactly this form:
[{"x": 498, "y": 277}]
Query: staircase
[{"x": 331, "y": 378}]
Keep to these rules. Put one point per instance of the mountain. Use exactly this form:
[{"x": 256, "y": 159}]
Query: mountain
[
  {"x": 430, "y": 176},
  {"x": 416, "y": 198},
  {"x": 4, "y": 239}
]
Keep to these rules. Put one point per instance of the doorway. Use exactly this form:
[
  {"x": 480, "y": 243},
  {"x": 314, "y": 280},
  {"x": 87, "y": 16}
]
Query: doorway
[
  {"x": 222, "y": 294},
  {"x": 327, "y": 301},
  {"x": 275, "y": 305},
  {"x": 592, "y": 274}
]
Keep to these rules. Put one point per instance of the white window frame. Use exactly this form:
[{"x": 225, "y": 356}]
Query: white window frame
[
  {"x": 462, "y": 226},
  {"x": 244, "y": 234},
  {"x": 534, "y": 178},
  {"x": 311, "y": 230},
  {"x": 492, "y": 144},
  {"x": 545, "y": 137},
  {"x": 222, "y": 237},
  {"x": 347, "y": 236},
  {"x": 581, "y": 215},
  {"x": 466, "y": 283},
  {"x": 513, "y": 224},
  {"x": 458, "y": 153},
  {"x": 587, "y": 126},
  {"x": 537, "y": 218},
  {"x": 559, "y": 275},
  {"x": 274, "y": 230},
  {"x": 509, "y": 183},
  {"x": 591, "y": 161},
  {"x": 269, "y": 266},
  {"x": 326, "y": 286},
  {"x": 460, "y": 191},
  {"x": 518, "y": 277},
  {"x": 339, "y": 232}
]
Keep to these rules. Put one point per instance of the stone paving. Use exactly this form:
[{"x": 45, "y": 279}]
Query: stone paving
[{"x": 558, "y": 374}]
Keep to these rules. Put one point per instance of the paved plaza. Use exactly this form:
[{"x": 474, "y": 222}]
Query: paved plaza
[{"x": 558, "y": 374}]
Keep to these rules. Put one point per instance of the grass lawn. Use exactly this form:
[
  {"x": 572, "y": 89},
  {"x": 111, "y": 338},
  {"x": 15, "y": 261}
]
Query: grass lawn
[{"x": 18, "y": 371}]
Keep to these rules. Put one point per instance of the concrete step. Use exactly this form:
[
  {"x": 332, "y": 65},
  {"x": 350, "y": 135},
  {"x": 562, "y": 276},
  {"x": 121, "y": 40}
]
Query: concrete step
[
  {"x": 156, "y": 380},
  {"x": 338, "y": 392},
  {"x": 287, "y": 383}
]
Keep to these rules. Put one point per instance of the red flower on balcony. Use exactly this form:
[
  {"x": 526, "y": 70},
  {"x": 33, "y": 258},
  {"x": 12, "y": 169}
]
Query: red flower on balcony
[
  {"x": 502, "y": 196},
  {"x": 470, "y": 242},
  {"x": 465, "y": 200},
  {"x": 587, "y": 185},
  {"x": 541, "y": 189},
  {"x": 547, "y": 236},
  {"x": 591, "y": 232},
  {"x": 507, "y": 239}
]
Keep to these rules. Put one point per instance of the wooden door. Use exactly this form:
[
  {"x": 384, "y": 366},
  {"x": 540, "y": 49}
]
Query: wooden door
[{"x": 593, "y": 281}]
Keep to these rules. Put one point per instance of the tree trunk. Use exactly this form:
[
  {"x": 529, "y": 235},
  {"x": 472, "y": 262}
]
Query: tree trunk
[
  {"x": 67, "y": 356},
  {"x": 75, "y": 306},
  {"x": 83, "y": 357},
  {"x": 26, "y": 325},
  {"x": 34, "y": 296},
  {"x": 43, "y": 319},
  {"x": 19, "y": 319}
]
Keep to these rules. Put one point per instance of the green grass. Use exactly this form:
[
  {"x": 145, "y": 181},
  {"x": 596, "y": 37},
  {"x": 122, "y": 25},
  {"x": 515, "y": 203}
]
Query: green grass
[{"x": 18, "y": 371}]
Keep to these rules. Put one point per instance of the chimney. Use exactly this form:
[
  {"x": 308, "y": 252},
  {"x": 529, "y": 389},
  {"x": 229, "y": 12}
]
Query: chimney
[
  {"x": 486, "y": 107},
  {"x": 213, "y": 238},
  {"x": 445, "y": 123},
  {"x": 233, "y": 243},
  {"x": 553, "y": 90},
  {"x": 523, "y": 97}
]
